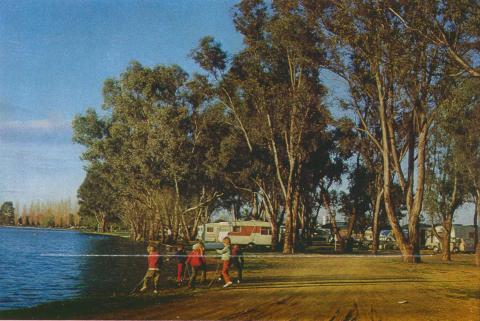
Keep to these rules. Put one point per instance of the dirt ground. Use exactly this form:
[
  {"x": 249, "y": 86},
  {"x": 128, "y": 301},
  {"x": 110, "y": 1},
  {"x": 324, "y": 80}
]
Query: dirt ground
[{"x": 320, "y": 287}]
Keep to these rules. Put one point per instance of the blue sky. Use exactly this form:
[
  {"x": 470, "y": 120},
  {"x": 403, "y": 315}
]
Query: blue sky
[{"x": 54, "y": 57}]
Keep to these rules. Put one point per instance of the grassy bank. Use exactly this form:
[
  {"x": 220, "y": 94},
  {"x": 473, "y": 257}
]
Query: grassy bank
[
  {"x": 316, "y": 287},
  {"x": 117, "y": 234}
]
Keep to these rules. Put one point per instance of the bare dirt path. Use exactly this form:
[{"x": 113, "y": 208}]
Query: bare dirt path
[{"x": 326, "y": 288}]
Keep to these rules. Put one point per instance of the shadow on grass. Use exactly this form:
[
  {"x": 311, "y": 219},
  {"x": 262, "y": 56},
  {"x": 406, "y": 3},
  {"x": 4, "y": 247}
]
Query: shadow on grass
[
  {"x": 298, "y": 282},
  {"x": 320, "y": 278},
  {"x": 464, "y": 293}
]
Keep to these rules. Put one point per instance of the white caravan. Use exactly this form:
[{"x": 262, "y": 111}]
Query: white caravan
[{"x": 251, "y": 233}]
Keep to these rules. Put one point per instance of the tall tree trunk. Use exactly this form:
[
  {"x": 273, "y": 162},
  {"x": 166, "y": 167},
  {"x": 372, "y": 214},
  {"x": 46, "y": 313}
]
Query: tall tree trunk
[
  {"x": 288, "y": 247},
  {"x": 375, "y": 227},
  {"x": 296, "y": 217},
  {"x": 233, "y": 212},
  {"x": 347, "y": 240},
  {"x": 103, "y": 224},
  {"x": 333, "y": 220},
  {"x": 446, "y": 239},
  {"x": 269, "y": 205},
  {"x": 475, "y": 224},
  {"x": 275, "y": 236},
  {"x": 255, "y": 209},
  {"x": 477, "y": 214},
  {"x": 101, "y": 218}
]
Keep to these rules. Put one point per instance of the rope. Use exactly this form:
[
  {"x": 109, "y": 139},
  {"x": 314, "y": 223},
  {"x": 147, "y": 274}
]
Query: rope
[
  {"x": 136, "y": 286},
  {"x": 216, "y": 275}
]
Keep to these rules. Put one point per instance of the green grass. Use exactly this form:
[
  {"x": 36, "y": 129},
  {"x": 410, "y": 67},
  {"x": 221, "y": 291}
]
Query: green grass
[{"x": 117, "y": 234}]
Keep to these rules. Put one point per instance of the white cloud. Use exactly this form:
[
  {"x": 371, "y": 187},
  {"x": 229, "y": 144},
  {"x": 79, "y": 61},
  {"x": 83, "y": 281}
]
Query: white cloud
[
  {"x": 37, "y": 130},
  {"x": 34, "y": 125}
]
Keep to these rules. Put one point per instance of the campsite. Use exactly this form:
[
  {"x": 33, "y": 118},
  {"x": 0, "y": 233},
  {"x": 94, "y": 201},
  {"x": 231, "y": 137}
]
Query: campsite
[{"x": 240, "y": 159}]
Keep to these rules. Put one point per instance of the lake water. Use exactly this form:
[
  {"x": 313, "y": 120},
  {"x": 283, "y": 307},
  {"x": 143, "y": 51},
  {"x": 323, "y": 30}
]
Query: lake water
[{"x": 42, "y": 265}]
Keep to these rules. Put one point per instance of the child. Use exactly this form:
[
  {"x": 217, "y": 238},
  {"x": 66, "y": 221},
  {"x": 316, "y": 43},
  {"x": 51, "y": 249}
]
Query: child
[
  {"x": 237, "y": 261},
  {"x": 181, "y": 258},
  {"x": 195, "y": 259},
  {"x": 225, "y": 252},
  {"x": 153, "y": 272},
  {"x": 204, "y": 266}
]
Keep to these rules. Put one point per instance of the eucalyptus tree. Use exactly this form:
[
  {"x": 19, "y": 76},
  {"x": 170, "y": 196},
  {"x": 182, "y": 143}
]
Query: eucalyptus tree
[
  {"x": 273, "y": 92},
  {"x": 460, "y": 121},
  {"x": 151, "y": 142},
  {"x": 97, "y": 198},
  {"x": 246, "y": 161},
  {"x": 451, "y": 26},
  {"x": 95, "y": 195},
  {"x": 355, "y": 203},
  {"x": 405, "y": 77},
  {"x": 446, "y": 187}
]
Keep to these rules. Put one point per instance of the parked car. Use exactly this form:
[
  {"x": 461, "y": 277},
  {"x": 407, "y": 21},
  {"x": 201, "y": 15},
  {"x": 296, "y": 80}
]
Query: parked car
[{"x": 322, "y": 234}]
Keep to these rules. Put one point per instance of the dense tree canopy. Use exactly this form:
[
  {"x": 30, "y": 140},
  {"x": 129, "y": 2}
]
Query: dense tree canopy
[{"x": 254, "y": 133}]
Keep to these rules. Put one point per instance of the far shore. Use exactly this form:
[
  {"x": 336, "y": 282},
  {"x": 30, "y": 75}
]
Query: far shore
[
  {"x": 122, "y": 234},
  {"x": 125, "y": 235}
]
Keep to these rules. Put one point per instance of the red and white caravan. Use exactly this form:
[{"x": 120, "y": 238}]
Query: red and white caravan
[{"x": 252, "y": 233}]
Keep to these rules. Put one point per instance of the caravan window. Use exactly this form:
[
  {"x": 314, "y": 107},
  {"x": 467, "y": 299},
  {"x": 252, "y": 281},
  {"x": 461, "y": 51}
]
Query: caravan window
[
  {"x": 210, "y": 229},
  {"x": 265, "y": 231},
  {"x": 236, "y": 229}
]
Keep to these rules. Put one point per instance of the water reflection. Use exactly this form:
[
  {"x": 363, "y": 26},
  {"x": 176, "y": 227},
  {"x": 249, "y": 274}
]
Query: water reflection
[{"x": 116, "y": 272}]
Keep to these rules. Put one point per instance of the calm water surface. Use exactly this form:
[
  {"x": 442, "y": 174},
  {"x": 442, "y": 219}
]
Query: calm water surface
[{"x": 42, "y": 265}]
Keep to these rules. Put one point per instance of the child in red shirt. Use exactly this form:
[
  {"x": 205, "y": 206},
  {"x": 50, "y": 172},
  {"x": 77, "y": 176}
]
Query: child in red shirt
[
  {"x": 154, "y": 261},
  {"x": 196, "y": 260}
]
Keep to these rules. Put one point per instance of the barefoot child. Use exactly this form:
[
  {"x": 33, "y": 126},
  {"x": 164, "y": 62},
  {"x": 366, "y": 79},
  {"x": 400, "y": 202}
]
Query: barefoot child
[
  {"x": 225, "y": 252},
  {"x": 153, "y": 272},
  {"x": 195, "y": 259},
  {"x": 181, "y": 258}
]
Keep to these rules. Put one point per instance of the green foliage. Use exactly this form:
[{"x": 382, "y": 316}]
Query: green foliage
[
  {"x": 255, "y": 134},
  {"x": 7, "y": 212},
  {"x": 210, "y": 56},
  {"x": 455, "y": 152}
]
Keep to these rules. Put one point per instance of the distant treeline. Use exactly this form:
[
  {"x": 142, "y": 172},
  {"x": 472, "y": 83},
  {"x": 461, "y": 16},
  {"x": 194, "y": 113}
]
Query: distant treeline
[{"x": 59, "y": 214}]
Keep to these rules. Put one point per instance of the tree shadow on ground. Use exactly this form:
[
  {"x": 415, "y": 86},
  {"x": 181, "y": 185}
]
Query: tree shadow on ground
[{"x": 307, "y": 282}]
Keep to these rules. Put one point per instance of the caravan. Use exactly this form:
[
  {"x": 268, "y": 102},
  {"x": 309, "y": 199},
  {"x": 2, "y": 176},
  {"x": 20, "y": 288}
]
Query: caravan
[{"x": 251, "y": 233}]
